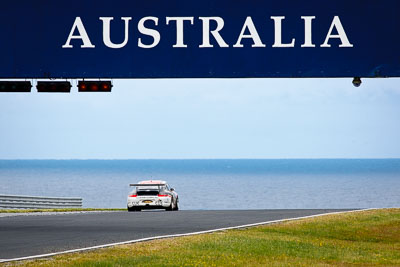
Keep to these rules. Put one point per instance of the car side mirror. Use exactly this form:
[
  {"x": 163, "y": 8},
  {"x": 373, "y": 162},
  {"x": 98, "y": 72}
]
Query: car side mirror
[{"x": 172, "y": 189}]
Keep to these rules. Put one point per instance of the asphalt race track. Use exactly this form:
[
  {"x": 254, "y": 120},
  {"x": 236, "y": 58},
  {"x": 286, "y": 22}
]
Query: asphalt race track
[{"x": 30, "y": 235}]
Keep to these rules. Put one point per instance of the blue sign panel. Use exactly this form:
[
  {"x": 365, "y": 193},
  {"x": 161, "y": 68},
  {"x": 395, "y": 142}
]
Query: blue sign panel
[{"x": 199, "y": 39}]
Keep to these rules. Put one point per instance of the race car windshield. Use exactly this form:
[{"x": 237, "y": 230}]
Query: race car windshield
[{"x": 147, "y": 187}]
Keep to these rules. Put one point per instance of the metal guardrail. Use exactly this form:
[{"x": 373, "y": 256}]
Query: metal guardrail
[{"x": 31, "y": 202}]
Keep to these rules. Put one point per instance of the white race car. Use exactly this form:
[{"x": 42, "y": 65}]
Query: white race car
[{"x": 152, "y": 195}]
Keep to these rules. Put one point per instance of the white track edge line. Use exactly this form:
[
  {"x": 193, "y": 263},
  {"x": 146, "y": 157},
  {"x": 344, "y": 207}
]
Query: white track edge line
[{"x": 180, "y": 235}]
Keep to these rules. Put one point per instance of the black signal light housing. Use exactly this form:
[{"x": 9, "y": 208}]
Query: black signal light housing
[
  {"x": 15, "y": 87},
  {"x": 94, "y": 86},
  {"x": 53, "y": 87}
]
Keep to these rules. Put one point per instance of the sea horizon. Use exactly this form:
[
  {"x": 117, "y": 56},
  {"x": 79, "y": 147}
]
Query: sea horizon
[{"x": 209, "y": 184}]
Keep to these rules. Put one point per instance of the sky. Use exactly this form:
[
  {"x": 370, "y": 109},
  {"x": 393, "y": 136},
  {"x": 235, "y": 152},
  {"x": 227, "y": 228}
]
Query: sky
[{"x": 206, "y": 119}]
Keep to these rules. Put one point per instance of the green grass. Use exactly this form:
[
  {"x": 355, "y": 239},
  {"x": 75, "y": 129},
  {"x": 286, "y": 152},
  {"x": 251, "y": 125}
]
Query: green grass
[
  {"x": 54, "y": 210},
  {"x": 367, "y": 238}
]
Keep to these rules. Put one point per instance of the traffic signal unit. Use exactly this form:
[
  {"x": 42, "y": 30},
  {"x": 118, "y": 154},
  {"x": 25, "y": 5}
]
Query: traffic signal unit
[
  {"x": 15, "y": 87},
  {"x": 94, "y": 86},
  {"x": 53, "y": 87}
]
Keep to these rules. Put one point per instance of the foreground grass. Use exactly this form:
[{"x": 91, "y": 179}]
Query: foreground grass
[
  {"x": 367, "y": 238},
  {"x": 54, "y": 210}
]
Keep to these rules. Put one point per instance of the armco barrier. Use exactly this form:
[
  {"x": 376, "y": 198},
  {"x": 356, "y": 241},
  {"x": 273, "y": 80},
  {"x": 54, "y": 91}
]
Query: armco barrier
[{"x": 30, "y": 202}]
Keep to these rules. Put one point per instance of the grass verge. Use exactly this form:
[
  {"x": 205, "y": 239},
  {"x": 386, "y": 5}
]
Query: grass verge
[
  {"x": 367, "y": 238},
  {"x": 54, "y": 210}
]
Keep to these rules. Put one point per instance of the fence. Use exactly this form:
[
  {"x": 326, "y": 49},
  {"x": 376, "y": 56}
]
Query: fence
[{"x": 30, "y": 202}]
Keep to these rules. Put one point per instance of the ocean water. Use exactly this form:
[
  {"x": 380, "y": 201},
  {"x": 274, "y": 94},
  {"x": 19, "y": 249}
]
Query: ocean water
[{"x": 214, "y": 184}]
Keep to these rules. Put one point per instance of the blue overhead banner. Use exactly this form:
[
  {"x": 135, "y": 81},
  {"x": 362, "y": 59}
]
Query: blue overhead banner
[{"x": 199, "y": 39}]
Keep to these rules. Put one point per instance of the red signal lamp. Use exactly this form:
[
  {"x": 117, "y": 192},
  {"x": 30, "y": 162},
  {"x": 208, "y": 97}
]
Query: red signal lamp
[
  {"x": 15, "y": 87},
  {"x": 53, "y": 87},
  {"x": 94, "y": 86}
]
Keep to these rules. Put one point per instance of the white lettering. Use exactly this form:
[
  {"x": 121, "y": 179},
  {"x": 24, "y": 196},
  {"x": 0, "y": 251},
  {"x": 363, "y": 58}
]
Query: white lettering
[
  {"x": 106, "y": 32},
  {"x": 308, "y": 31},
  {"x": 150, "y": 32},
  {"x": 215, "y": 33},
  {"x": 82, "y": 35},
  {"x": 179, "y": 29},
  {"x": 150, "y": 35},
  {"x": 278, "y": 33},
  {"x": 248, "y": 24},
  {"x": 341, "y": 34}
]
